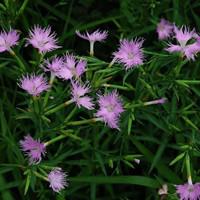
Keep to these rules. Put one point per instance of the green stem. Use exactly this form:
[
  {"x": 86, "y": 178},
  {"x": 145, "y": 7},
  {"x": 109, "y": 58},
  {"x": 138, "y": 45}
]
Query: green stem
[
  {"x": 46, "y": 98},
  {"x": 20, "y": 62},
  {"x": 36, "y": 105},
  {"x": 117, "y": 87},
  {"x": 60, "y": 137},
  {"x": 40, "y": 176},
  {"x": 188, "y": 168},
  {"x": 53, "y": 110},
  {"x": 91, "y": 48},
  {"x": 86, "y": 121},
  {"x": 70, "y": 115},
  {"x": 112, "y": 62},
  {"x": 179, "y": 66}
]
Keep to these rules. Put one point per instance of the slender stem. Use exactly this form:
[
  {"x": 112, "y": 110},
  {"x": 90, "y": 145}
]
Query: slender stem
[
  {"x": 60, "y": 137},
  {"x": 20, "y": 62},
  {"x": 70, "y": 115},
  {"x": 46, "y": 98},
  {"x": 188, "y": 168},
  {"x": 91, "y": 48},
  {"x": 53, "y": 110},
  {"x": 36, "y": 105},
  {"x": 86, "y": 121},
  {"x": 112, "y": 62},
  {"x": 40, "y": 176},
  {"x": 148, "y": 103},
  {"x": 117, "y": 87}
]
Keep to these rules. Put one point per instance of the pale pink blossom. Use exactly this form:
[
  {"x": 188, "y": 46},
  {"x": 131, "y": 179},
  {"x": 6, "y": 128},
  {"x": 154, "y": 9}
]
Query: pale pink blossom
[
  {"x": 187, "y": 43},
  {"x": 164, "y": 29},
  {"x": 42, "y": 39},
  {"x": 72, "y": 67},
  {"x": 79, "y": 95},
  {"x": 34, "y": 149},
  {"x": 110, "y": 109},
  {"x": 93, "y": 37},
  {"x": 57, "y": 179},
  {"x": 34, "y": 84},
  {"x": 188, "y": 191},
  {"x": 8, "y": 40},
  {"x": 130, "y": 53}
]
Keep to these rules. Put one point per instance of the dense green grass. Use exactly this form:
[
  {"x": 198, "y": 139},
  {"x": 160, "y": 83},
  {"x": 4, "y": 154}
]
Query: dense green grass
[{"x": 100, "y": 161}]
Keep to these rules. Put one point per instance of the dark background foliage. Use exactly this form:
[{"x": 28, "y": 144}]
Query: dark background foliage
[{"x": 156, "y": 133}]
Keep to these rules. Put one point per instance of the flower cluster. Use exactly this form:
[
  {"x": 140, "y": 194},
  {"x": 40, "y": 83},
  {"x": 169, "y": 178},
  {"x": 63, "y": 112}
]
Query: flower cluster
[
  {"x": 187, "y": 41},
  {"x": 71, "y": 68}
]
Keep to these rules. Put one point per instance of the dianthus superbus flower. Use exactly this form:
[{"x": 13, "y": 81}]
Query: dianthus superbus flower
[
  {"x": 42, "y": 39},
  {"x": 130, "y": 53},
  {"x": 110, "y": 109},
  {"x": 57, "y": 179},
  {"x": 53, "y": 65},
  {"x": 33, "y": 148},
  {"x": 164, "y": 29},
  {"x": 34, "y": 84},
  {"x": 8, "y": 39},
  {"x": 187, "y": 42},
  {"x": 79, "y": 97},
  {"x": 72, "y": 67},
  {"x": 188, "y": 191},
  {"x": 93, "y": 37}
]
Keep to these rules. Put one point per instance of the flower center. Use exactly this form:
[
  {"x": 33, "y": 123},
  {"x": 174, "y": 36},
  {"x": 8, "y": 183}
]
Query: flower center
[
  {"x": 110, "y": 108},
  {"x": 130, "y": 55},
  {"x": 190, "y": 189}
]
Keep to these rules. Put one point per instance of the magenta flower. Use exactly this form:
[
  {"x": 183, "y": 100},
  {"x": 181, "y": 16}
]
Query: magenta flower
[
  {"x": 53, "y": 66},
  {"x": 110, "y": 109},
  {"x": 8, "y": 39},
  {"x": 57, "y": 179},
  {"x": 78, "y": 96},
  {"x": 42, "y": 39},
  {"x": 72, "y": 67},
  {"x": 193, "y": 49},
  {"x": 33, "y": 84},
  {"x": 93, "y": 37},
  {"x": 33, "y": 148},
  {"x": 188, "y": 191},
  {"x": 184, "y": 37},
  {"x": 158, "y": 101},
  {"x": 130, "y": 53},
  {"x": 164, "y": 29}
]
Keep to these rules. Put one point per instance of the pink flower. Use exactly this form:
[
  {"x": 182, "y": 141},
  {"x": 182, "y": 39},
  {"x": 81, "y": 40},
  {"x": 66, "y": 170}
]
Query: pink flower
[
  {"x": 164, "y": 29},
  {"x": 184, "y": 37},
  {"x": 110, "y": 109},
  {"x": 54, "y": 66},
  {"x": 72, "y": 67},
  {"x": 42, "y": 39},
  {"x": 130, "y": 53},
  {"x": 93, "y": 37},
  {"x": 33, "y": 84},
  {"x": 188, "y": 191},
  {"x": 78, "y": 96},
  {"x": 8, "y": 39},
  {"x": 57, "y": 179},
  {"x": 33, "y": 148}
]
